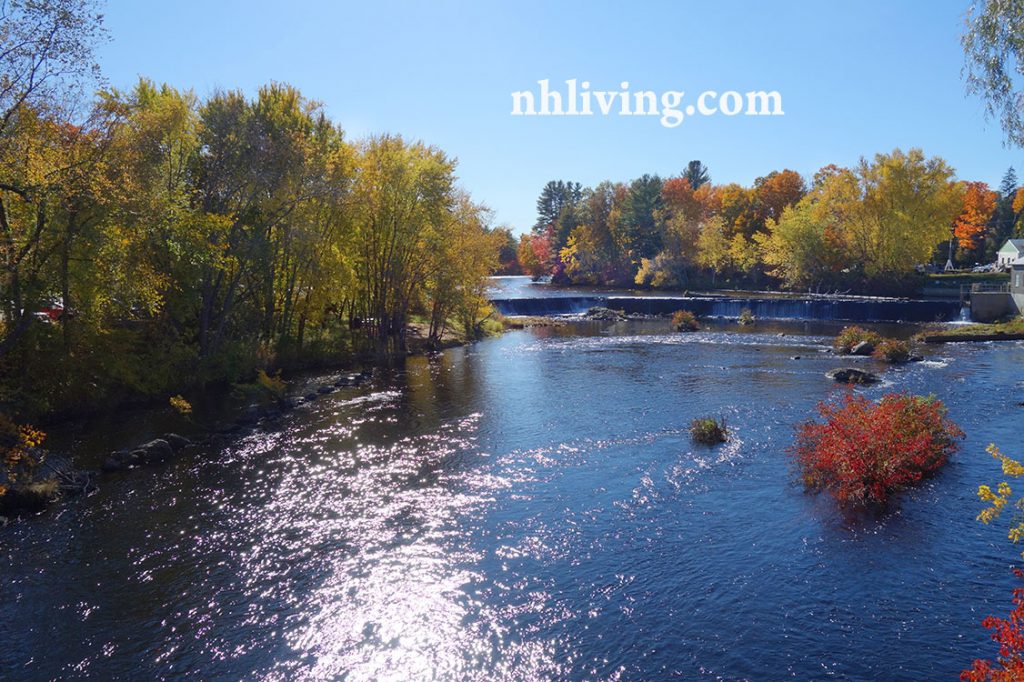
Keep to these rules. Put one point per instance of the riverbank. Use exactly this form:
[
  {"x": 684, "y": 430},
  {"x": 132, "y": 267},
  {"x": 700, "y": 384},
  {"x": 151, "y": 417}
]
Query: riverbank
[
  {"x": 43, "y": 477},
  {"x": 228, "y": 410},
  {"x": 1009, "y": 330}
]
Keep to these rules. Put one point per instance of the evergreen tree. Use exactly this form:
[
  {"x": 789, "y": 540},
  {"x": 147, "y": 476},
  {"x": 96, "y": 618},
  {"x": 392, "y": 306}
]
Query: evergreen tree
[
  {"x": 641, "y": 212},
  {"x": 697, "y": 173},
  {"x": 555, "y": 196},
  {"x": 1000, "y": 226}
]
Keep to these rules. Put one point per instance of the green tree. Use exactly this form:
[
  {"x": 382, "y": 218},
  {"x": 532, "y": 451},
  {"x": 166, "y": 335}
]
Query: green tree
[
  {"x": 1001, "y": 225},
  {"x": 554, "y": 198},
  {"x": 640, "y": 224},
  {"x": 696, "y": 174},
  {"x": 402, "y": 195},
  {"x": 508, "y": 263},
  {"x": 46, "y": 60},
  {"x": 713, "y": 246},
  {"x": 801, "y": 249},
  {"x": 994, "y": 61},
  {"x": 463, "y": 252}
]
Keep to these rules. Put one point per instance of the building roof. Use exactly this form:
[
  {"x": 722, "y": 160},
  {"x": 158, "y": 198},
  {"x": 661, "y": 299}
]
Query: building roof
[{"x": 1016, "y": 244}]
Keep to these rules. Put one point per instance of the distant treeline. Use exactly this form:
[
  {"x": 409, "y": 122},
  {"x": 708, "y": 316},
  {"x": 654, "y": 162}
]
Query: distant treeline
[{"x": 867, "y": 228}]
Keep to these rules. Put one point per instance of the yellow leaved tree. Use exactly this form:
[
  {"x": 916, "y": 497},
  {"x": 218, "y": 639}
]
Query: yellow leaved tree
[{"x": 999, "y": 498}]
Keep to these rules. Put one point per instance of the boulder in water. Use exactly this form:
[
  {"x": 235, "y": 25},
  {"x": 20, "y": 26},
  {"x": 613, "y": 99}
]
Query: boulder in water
[
  {"x": 604, "y": 314},
  {"x": 117, "y": 461},
  {"x": 863, "y": 348},
  {"x": 177, "y": 442},
  {"x": 29, "y": 498},
  {"x": 851, "y": 375},
  {"x": 153, "y": 452}
]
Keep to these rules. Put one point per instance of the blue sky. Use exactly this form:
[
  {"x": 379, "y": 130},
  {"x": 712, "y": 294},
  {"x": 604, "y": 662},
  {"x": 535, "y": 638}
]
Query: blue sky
[{"x": 856, "y": 79}]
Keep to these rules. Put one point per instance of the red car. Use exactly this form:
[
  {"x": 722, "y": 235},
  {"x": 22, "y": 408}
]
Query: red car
[{"x": 51, "y": 311}]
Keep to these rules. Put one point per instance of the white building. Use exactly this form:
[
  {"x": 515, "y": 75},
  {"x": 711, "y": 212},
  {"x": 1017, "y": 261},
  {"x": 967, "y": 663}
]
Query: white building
[{"x": 1012, "y": 250}]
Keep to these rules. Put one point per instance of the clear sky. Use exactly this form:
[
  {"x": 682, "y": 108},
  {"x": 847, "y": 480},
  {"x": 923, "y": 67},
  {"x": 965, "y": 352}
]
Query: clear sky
[{"x": 856, "y": 78}]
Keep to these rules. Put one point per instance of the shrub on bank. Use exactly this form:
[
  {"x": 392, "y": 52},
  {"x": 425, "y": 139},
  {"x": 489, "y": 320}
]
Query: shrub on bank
[
  {"x": 1007, "y": 632},
  {"x": 864, "y": 451},
  {"x": 850, "y": 336},
  {"x": 180, "y": 405},
  {"x": 892, "y": 351},
  {"x": 20, "y": 457},
  {"x": 18, "y": 445},
  {"x": 685, "y": 321},
  {"x": 708, "y": 431}
]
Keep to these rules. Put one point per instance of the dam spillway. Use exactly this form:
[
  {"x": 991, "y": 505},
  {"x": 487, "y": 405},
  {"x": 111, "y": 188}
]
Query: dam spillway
[{"x": 844, "y": 309}]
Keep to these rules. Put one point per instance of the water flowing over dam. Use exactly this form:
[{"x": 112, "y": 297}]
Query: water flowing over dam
[{"x": 851, "y": 309}]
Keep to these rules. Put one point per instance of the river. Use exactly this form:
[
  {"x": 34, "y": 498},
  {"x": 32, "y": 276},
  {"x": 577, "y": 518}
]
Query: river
[{"x": 528, "y": 507}]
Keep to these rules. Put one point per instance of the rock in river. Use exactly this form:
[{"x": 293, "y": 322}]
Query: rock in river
[
  {"x": 177, "y": 442},
  {"x": 604, "y": 314},
  {"x": 863, "y": 348},
  {"x": 851, "y": 375}
]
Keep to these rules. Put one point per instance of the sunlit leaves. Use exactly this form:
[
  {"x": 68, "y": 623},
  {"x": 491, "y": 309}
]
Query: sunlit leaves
[
  {"x": 863, "y": 452},
  {"x": 979, "y": 202}
]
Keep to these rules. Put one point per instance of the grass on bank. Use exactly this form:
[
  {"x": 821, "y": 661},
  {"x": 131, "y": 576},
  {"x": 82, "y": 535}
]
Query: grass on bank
[
  {"x": 1013, "y": 326},
  {"x": 957, "y": 278}
]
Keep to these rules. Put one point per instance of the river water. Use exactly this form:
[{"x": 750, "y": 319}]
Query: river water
[{"x": 529, "y": 507}]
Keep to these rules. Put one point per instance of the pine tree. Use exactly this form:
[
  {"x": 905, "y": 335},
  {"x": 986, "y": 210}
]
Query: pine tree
[
  {"x": 558, "y": 198},
  {"x": 697, "y": 173},
  {"x": 1000, "y": 226}
]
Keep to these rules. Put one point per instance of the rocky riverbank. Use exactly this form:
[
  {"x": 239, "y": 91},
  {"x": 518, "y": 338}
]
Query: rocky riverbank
[{"x": 47, "y": 477}]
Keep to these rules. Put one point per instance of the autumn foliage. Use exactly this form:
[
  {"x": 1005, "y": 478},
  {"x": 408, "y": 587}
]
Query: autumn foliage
[
  {"x": 535, "y": 255},
  {"x": 863, "y": 451},
  {"x": 850, "y": 336},
  {"x": 893, "y": 351},
  {"x": 16, "y": 446},
  {"x": 1005, "y": 631},
  {"x": 685, "y": 321},
  {"x": 1008, "y": 634},
  {"x": 979, "y": 204}
]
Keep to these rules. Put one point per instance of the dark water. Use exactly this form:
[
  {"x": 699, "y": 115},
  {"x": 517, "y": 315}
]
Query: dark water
[{"x": 529, "y": 507}]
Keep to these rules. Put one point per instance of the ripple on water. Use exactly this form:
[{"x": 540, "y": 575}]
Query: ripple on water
[{"x": 532, "y": 509}]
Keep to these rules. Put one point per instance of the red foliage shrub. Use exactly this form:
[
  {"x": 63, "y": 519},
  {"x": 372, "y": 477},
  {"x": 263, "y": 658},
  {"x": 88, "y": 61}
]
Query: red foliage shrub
[
  {"x": 866, "y": 451},
  {"x": 1008, "y": 634}
]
